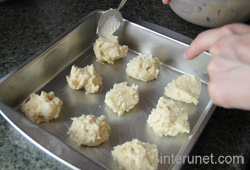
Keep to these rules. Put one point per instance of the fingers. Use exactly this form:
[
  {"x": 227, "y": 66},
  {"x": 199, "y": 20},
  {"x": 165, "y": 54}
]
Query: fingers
[
  {"x": 234, "y": 47},
  {"x": 204, "y": 42},
  {"x": 166, "y": 1},
  {"x": 229, "y": 67},
  {"x": 207, "y": 40},
  {"x": 219, "y": 65},
  {"x": 231, "y": 89}
]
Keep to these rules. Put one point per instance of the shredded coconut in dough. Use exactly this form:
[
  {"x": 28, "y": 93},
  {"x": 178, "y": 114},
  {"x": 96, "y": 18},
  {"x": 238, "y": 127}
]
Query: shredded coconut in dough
[
  {"x": 136, "y": 155},
  {"x": 42, "y": 108},
  {"x": 169, "y": 118},
  {"x": 109, "y": 27},
  {"x": 86, "y": 78},
  {"x": 122, "y": 97},
  {"x": 143, "y": 68},
  {"x": 89, "y": 130},
  {"x": 108, "y": 49},
  {"x": 185, "y": 89}
]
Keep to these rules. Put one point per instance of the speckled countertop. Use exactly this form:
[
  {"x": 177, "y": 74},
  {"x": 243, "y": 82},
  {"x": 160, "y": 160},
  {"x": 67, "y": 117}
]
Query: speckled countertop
[{"x": 27, "y": 26}]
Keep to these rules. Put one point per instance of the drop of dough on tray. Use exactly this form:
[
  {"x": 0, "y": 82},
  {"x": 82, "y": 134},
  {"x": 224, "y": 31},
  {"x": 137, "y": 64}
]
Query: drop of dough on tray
[
  {"x": 169, "y": 118},
  {"x": 142, "y": 67},
  {"x": 136, "y": 155},
  {"x": 89, "y": 130},
  {"x": 42, "y": 108},
  {"x": 185, "y": 89},
  {"x": 108, "y": 49},
  {"x": 122, "y": 97},
  {"x": 86, "y": 78}
]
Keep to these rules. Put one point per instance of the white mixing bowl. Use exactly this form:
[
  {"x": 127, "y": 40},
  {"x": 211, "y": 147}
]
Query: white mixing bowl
[{"x": 212, "y": 13}]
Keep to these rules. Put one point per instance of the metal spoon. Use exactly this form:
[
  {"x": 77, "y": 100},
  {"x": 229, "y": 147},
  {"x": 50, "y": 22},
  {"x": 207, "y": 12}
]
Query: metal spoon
[{"x": 110, "y": 21}]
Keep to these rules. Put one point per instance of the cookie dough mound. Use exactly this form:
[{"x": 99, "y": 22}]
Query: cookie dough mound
[
  {"x": 89, "y": 130},
  {"x": 142, "y": 67},
  {"x": 86, "y": 78},
  {"x": 122, "y": 97},
  {"x": 109, "y": 50},
  {"x": 42, "y": 108},
  {"x": 169, "y": 118},
  {"x": 136, "y": 155},
  {"x": 185, "y": 89}
]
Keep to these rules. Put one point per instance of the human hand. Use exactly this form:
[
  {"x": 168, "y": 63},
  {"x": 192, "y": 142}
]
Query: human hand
[
  {"x": 166, "y": 1},
  {"x": 229, "y": 68}
]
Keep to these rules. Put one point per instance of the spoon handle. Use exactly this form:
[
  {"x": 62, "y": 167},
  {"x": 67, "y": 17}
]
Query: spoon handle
[{"x": 121, "y": 4}]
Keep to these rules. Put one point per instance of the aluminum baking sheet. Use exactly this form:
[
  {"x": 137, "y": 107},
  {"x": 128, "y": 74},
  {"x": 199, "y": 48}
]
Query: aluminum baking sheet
[{"x": 47, "y": 71}]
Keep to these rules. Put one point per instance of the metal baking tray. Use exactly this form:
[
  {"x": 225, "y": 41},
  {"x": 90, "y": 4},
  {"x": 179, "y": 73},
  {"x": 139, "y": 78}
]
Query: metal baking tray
[{"x": 47, "y": 71}]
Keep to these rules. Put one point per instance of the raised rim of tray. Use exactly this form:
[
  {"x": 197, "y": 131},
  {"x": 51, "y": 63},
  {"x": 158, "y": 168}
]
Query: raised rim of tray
[{"x": 22, "y": 124}]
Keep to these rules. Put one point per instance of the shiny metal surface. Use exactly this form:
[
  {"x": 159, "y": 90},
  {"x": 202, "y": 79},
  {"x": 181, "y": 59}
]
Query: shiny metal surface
[{"x": 47, "y": 72}]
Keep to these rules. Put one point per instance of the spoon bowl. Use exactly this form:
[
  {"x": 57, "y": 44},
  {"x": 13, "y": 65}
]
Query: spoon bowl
[{"x": 110, "y": 21}]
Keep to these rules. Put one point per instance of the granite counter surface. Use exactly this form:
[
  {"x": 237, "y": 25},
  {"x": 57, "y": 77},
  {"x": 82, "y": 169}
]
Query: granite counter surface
[{"x": 28, "y": 26}]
